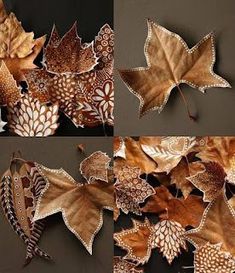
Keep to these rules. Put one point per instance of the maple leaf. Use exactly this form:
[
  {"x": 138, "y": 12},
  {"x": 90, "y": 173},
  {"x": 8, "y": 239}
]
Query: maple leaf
[
  {"x": 81, "y": 205},
  {"x": 69, "y": 54},
  {"x": 217, "y": 226},
  {"x": 2, "y": 123},
  {"x": 122, "y": 266},
  {"x": 168, "y": 151},
  {"x": 169, "y": 238},
  {"x": 30, "y": 118},
  {"x": 210, "y": 181},
  {"x": 209, "y": 259},
  {"x": 136, "y": 241},
  {"x": 222, "y": 151},
  {"x": 131, "y": 190},
  {"x": 170, "y": 62},
  {"x": 187, "y": 212}
]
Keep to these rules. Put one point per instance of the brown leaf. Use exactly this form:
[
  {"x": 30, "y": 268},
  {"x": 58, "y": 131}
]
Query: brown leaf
[
  {"x": 187, "y": 212},
  {"x": 209, "y": 259},
  {"x": 122, "y": 266},
  {"x": 169, "y": 63},
  {"x": 217, "y": 226},
  {"x": 131, "y": 190},
  {"x": 136, "y": 241},
  {"x": 210, "y": 181},
  {"x": 222, "y": 151},
  {"x": 81, "y": 205}
]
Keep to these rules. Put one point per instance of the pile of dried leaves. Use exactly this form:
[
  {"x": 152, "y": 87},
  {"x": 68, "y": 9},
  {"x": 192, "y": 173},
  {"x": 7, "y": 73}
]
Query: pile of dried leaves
[
  {"x": 190, "y": 195},
  {"x": 76, "y": 78}
]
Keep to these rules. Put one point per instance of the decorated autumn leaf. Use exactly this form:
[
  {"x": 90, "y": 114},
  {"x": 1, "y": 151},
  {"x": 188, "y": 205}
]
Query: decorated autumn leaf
[
  {"x": 171, "y": 62},
  {"x": 81, "y": 205},
  {"x": 187, "y": 212},
  {"x": 20, "y": 187},
  {"x": 69, "y": 55},
  {"x": 95, "y": 167},
  {"x": 222, "y": 151},
  {"x": 168, "y": 236},
  {"x": 168, "y": 151},
  {"x": 30, "y": 118},
  {"x": 2, "y": 123},
  {"x": 209, "y": 259},
  {"x": 131, "y": 190},
  {"x": 217, "y": 226},
  {"x": 210, "y": 181},
  {"x": 119, "y": 147},
  {"x": 136, "y": 241},
  {"x": 122, "y": 266}
]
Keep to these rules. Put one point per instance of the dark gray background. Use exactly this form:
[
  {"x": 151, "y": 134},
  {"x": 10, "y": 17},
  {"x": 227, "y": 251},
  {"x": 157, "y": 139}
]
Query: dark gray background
[
  {"x": 68, "y": 253},
  {"x": 191, "y": 19},
  {"x": 40, "y": 15}
]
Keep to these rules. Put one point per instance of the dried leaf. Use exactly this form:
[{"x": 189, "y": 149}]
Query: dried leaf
[
  {"x": 169, "y": 63},
  {"x": 187, "y": 212},
  {"x": 209, "y": 259},
  {"x": 222, "y": 151},
  {"x": 30, "y": 118},
  {"x": 122, "y": 266},
  {"x": 169, "y": 238},
  {"x": 217, "y": 226},
  {"x": 131, "y": 190},
  {"x": 210, "y": 181},
  {"x": 95, "y": 167},
  {"x": 81, "y": 205},
  {"x": 20, "y": 187},
  {"x": 136, "y": 241}
]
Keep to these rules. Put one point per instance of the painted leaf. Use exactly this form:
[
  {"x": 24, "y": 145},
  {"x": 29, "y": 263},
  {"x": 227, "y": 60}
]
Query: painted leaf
[
  {"x": 222, "y": 151},
  {"x": 217, "y": 226},
  {"x": 30, "y": 118},
  {"x": 209, "y": 259},
  {"x": 81, "y": 205},
  {"x": 187, "y": 212},
  {"x": 131, "y": 190},
  {"x": 168, "y": 236},
  {"x": 136, "y": 241},
  {"x": 69, "y": 55},
  {"x": 2, "y": 123},
  {"x": 95, "y": 167},
  {"x": 122, "y": 266},
  {"x": 170, "y": 62},
  {"x": 210, "y": 181},
  {"x": 20, "y": 187}
]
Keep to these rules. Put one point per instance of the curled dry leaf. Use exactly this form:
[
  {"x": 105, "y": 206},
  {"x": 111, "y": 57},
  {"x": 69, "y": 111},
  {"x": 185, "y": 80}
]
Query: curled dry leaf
[
  {"x": 168, "y": 236},
  {"x": 136, "y": 241},
  {"x": 131, "y": 190},
  {"x": 122, "y": 266},
  {"x": 30, "y": 118},
  {"x": 217, "y": 226},
  {"x": 210, "y": 181},
  {"x": 187, "y": 212},
  {"x": 95, "y": 167},
  {"x": 81, "y": 205},
  {"x": 222, "y": 151},
  {"x": 20, "y": 187},
  {"x": 169, "y": 63},
  {"x": 209, "y": 259}
]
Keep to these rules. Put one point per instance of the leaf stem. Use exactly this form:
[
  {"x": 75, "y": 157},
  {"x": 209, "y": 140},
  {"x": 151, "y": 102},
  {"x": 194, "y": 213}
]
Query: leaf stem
[{"x": 193, "y": 118}]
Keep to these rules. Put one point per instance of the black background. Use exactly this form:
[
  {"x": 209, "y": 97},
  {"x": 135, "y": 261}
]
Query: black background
[{"x": 40, "y": 15}]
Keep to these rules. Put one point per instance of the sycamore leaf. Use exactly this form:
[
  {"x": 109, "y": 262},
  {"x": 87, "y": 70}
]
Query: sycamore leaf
[
  {"x": 136, "y": 241},
  {"x": 210, "y": 181},
  {"x": 217, "y": 226},
  {"x": 30, "y": 118},
  {"x": 187, "y": 212},
  {"x": 122, "y": 266},
  {"x": 209, "y": 259},
  {"x": 168, "y": 236},
  {"x": 222, "y": 151},
  {"x": 170, "y": 62},
  {"x": 131, "y": 190},
  {"x": 81, "y": 205}
]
